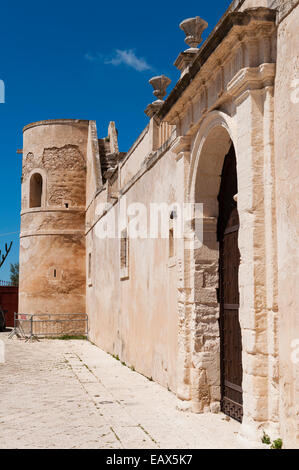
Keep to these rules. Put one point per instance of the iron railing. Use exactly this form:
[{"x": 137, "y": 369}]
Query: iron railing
[
  {"x": 8, "y": 284},
  {"x": 31, "y": 326}
]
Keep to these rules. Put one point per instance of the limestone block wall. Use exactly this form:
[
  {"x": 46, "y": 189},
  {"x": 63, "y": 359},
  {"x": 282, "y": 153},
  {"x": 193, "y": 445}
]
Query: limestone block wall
[
  {"x": 52, "y": 243},
  {"x": 287, "y": 184},
  {"x": 135, "y": 157}
]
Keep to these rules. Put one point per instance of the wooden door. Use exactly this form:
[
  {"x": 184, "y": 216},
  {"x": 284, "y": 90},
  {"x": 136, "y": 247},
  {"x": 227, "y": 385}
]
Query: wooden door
[{"x": 230, "y": 331}]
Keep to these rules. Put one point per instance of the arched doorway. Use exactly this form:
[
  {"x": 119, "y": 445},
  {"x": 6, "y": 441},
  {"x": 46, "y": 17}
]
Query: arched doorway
[
  {"x": 202, "y": 345},
  {"x": 199, "y": 340},
  {"x": 229, "y": 260}
]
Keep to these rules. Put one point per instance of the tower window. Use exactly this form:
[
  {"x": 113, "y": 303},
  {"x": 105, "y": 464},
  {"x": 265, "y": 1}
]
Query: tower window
[
  {"x": 55, "y": 273},
  {"x": 36, "y": 190}
]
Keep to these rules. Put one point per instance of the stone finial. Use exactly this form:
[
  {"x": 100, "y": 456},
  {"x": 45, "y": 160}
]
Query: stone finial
[
  {"x": 193, "y": 28},
  {"x": 159, "y": 84}
]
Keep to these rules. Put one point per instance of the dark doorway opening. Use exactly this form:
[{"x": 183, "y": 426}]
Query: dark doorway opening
[{"x": 229, "y": 260}]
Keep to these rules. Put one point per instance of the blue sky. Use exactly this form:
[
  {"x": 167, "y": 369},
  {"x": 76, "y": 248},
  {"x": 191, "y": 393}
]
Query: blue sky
[{"x": 82, "y": 60}]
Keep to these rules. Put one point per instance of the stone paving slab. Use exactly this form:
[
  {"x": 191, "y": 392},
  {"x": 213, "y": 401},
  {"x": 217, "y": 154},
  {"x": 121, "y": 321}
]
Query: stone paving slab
[{"x": 70, "y": 394}]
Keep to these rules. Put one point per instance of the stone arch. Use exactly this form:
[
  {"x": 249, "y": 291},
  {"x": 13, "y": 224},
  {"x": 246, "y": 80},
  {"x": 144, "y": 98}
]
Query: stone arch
[
  {"x": 199, "y": 339},
  {"x": 218, "y": 127},
  {"x": 210, "y": 146}
]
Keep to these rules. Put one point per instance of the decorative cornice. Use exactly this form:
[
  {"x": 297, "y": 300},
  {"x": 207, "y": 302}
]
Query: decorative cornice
[
  {"x": 251, "y": 79},
  {"x": 181, "y": 144},
  {"x": 249, "y": 18}
]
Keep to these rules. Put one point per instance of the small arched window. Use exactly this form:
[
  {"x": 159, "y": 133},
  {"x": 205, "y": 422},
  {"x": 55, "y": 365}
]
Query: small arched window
[{"x": 36, "y": 190}]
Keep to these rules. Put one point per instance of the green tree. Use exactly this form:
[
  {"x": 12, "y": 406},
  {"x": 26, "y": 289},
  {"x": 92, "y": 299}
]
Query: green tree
[{"x": 14, "y": 273}]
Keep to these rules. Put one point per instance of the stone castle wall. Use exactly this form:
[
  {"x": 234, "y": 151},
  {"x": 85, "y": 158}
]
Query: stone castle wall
[
  {"x": 52, "y": 242},
  {"x": 133, "y": 316},
  {"x": 156, "y": 307}
]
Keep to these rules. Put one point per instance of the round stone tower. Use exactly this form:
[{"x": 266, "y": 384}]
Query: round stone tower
[{"x": 52, "y": 242}]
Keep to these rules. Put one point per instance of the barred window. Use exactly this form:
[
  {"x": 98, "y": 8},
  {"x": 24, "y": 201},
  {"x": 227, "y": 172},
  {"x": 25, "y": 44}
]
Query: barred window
[{"x": 124, "y": 254}]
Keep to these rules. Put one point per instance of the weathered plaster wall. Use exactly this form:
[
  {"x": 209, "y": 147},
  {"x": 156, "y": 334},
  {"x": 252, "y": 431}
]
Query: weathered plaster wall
[
  {"x": 136, "y": 318},
  {"x": 287, "y": 197},
  {"x": 133, "y": 161},
  {"x": 52, "y": 244}
]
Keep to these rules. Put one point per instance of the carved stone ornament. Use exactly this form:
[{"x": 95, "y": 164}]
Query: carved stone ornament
[
  {"x": 193, "y": 28},
  {"x": 159, "y": 83}
]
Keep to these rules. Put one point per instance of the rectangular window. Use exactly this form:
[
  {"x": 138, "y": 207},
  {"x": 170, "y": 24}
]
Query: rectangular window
[
  {"x": 171, "y": 244},
  {"x": 89, "y": 269},
  {"x": 124, "y": 254}
]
